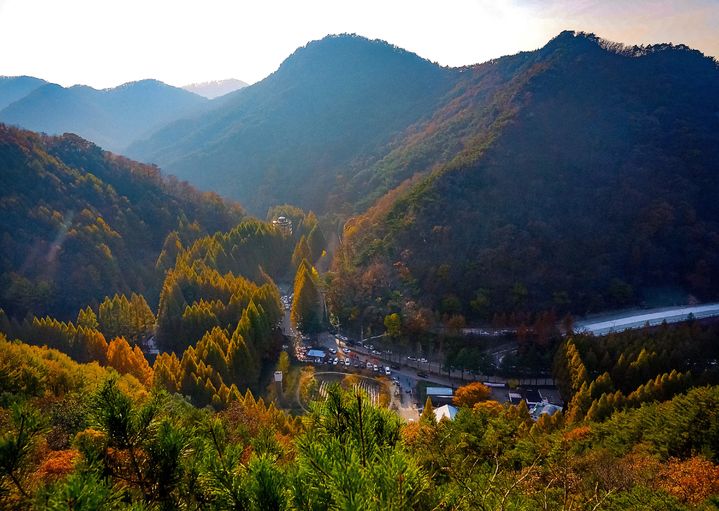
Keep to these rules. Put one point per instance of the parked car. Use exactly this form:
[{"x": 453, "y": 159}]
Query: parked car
[
  {"x": 369, "y": 365},
  {"x": 421, "y": 375},
  {"x": 347, "y": 361},
  {"x": 387, "y": 371}
]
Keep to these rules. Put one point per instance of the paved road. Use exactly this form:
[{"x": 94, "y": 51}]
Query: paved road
[
  {"x": 407, "y": 376},
  {"x": 636, "y": 319}
]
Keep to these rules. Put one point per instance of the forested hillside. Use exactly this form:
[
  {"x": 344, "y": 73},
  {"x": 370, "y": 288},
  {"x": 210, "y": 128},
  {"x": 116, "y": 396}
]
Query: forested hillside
[
  {"x": 81, "y": 434},
  {"x": 301, "y": 133},
  {"x": 591, "y": 181},
  {"x": 78, "y": 223},
  {"x": 111, "y": 118},
  {"x": 162, "y": 350}
]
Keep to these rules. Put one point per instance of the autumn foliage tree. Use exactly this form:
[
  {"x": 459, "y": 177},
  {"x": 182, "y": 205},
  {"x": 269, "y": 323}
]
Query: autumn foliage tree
[
  {"x": 129, "y": 360},
  {"x": 122, "y": 317},
  {"x": 692, "y": 480},
  {"x": 306, "y": 307},
  {"x": 471, "y": 394},
  {"x": 301, "y": 253}
]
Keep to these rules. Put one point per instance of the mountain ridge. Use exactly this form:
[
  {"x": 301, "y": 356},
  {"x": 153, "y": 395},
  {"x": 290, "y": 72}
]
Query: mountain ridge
[
  {"x": 111, "y": 117},
  {"x": 234, "y": 144},
  {"x": 593, "y": 181},
  {"x": 13, "y": 88},
  {"x": 333, "y": 101}
]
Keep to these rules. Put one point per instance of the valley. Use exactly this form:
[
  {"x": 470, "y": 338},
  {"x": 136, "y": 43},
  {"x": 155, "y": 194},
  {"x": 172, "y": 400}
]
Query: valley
[{"x": 366, "y": 281}]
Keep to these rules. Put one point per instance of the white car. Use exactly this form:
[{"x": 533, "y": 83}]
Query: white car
[
  {"x": 347, "y": 361},
  {"x": 346, "y": 350},
  {"x": 335, "y": 361},
  {"x": 387, "y": 371},
  {"x": 333, "y": 350},
  {"x": 369, "y": 365},
  {"x": 375, "y": 368}
]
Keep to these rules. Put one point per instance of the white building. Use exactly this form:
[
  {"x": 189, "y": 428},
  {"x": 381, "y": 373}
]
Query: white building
[
  {"x": 284, "y": 224},
  {"x": 445, "y": 412}
]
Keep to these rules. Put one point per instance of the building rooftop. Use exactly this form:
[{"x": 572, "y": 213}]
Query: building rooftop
[
  {"x": 440, "y": 391},
  {"x": 544, "y": 408},
  {"x": 514, "y": 398},
  {"x": 445, "y": 412},
  {"x": 532, "y": 396}
]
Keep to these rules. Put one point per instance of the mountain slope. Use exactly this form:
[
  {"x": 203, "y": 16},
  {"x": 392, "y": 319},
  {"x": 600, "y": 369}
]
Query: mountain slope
[
  {"x": 593, "y": 182},
  {"x": 78, "y": 223},
  {"x": 216, "y": 88},
  {"x": 13, "y": 88},
  {"x": 331, "y": 107},
  {"x": 111, "y": 118}
]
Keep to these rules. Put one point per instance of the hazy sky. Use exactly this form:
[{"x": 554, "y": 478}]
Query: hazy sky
[{"x": 107, "y": 42}]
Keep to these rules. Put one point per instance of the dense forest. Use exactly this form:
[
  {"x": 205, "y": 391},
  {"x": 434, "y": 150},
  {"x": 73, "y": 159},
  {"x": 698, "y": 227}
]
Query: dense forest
[
  {"x": 114, "y": 261},
  {"x": 81, "y": 436},
  {"x": 153, "y": 336},
  {"x": 592, "y": 183},
  {"x": 78, "y": 223}
]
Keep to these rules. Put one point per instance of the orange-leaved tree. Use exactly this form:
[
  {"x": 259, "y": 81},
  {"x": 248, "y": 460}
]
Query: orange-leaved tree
[
  {"x": 472, "y": 393},
  {"x": 127, "y": 360}
]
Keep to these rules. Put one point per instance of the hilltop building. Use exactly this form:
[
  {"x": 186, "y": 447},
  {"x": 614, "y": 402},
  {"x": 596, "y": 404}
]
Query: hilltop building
[{"x": 284, "y": 224}]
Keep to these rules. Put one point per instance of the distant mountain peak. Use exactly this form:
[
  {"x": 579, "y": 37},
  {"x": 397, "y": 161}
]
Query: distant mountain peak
[
  {"x": 349, "y": 53},
  {"x": 109, "y": 117},
  {"x": 144, "y": 82},
  {"x": 13, "y": 88},
  {"x": 346, "y": 41},
  {"x": 215, "y": 88}
]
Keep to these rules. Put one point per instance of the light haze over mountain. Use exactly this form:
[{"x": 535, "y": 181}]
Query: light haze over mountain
[
  {"x": 215, "y": 88},
  {"x": 111, "y": 118}
]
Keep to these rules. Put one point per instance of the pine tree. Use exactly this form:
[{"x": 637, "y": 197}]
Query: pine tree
[
  {"x": 87, "y": 318},
  {"x": 127, "y": 360},
  {"x": 301, "y": 253},
  {"x": 305, "y": 314},
  {"x": 316, "y": 242},
  {"x": 428, "y": 412}
]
